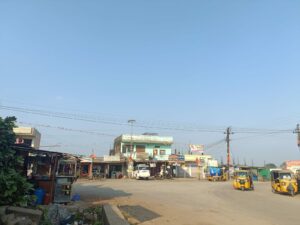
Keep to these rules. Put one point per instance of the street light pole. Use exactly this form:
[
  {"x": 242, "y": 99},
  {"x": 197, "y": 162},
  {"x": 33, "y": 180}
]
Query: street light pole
[{"x": 131, "y": 128}]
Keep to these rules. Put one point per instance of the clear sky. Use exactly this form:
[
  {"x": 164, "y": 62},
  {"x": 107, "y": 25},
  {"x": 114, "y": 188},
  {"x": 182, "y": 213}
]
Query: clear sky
[{"x": 167, "y": 63}]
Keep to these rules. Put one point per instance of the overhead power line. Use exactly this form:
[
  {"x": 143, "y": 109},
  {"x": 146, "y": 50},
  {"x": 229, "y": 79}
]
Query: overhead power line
[
  {"x": 69, "y": 129},
  {"x": 99, "y": 120},
  {"x": 214, "y": 144},
  {"x": 256, "y": 135},
  {"x": 140, "y": 124}
]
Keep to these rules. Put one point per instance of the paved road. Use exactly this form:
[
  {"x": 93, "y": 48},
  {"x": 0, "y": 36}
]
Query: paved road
[{"x": 193, "y": 202}]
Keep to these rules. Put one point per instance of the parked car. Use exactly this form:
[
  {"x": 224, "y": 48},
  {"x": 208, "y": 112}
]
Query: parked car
[{"x": 141, "y": 171}]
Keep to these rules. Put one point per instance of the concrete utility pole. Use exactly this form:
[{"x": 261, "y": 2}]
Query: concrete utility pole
[
  {"x": 297, "y": 131},
  {"x": 228, "y": 133}
]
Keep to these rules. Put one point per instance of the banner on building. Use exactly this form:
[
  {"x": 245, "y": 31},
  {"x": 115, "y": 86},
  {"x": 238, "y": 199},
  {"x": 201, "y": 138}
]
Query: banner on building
[
  {"x": 197, "y": 148},
  {"x": 176, "y": 158}
]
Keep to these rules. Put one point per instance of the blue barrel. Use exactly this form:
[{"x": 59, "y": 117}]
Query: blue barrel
[
  {"x": 40, "y": 194},
  {"x": 76, "y": 197},
  {"x": 254, "y": 177},
  {"x": 215, "y": 171}
]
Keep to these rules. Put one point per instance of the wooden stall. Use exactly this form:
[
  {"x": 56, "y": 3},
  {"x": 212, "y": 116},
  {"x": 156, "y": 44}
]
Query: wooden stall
[{"x": 45, "y": 170}]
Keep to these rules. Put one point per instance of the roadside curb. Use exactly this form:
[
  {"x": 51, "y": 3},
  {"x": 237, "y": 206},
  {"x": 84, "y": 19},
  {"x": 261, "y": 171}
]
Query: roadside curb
[{"x": 113, "y": 216}]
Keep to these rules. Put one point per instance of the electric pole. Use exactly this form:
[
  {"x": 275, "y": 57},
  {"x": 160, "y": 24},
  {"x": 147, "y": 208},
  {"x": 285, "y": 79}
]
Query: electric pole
[
  {"x": 228, "y": 133},
  {"x": 297, "y": 131}
]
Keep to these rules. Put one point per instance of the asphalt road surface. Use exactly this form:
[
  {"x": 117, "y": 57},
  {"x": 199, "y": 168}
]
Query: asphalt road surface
[{"x": 193, "y": 202}]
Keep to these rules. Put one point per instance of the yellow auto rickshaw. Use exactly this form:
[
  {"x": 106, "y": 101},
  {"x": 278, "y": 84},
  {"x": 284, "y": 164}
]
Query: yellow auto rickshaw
[
  {"x": 242, "y": 180},
  {"x": 284, "y": 181}
]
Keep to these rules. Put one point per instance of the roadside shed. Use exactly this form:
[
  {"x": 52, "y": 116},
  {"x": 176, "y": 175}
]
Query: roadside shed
[{"x": 49, "y": 171}]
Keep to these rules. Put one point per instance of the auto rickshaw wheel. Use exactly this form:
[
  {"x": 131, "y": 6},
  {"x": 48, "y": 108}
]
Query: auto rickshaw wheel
[
  {"x": 243, "y": 188},
  {"x": 292, "y": 193}
]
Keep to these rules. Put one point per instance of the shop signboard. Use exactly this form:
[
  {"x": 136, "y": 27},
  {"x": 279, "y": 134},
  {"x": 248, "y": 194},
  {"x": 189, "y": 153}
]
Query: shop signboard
[
  {"x": 146, "y": 139},
  {"x": 176, "y": 158},
  {"x": 191, "y": 158},
  {"x": 173, "y": 157},
  {"x": 180, "y": 157},
  {"x": 111, "y": 158},
  {"x": 196, "y": 148},
  {"x": 85, "y": 160},
  {"x": 292, "y": 163}
]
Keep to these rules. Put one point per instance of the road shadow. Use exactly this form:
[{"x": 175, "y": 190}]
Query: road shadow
[
  {"x": 97, "y": 193},
  {"x": 139, "y": 213}
]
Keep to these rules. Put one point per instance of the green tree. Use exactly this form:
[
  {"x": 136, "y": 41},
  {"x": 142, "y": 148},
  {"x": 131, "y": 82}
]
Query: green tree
[
  {"x": 270, "y": 165},
  {"x": 14, "y": 187}
]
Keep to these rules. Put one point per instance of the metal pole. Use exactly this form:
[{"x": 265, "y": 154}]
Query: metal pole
[
  {"x": 92, "y": 168},
  {"x": 92, "y": 164},
  {"x": 131, "y": 144}
]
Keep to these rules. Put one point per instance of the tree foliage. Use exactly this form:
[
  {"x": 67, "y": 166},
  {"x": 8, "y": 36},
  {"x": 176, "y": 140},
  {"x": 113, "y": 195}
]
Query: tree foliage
[
  {"x": 14, "y": 187},
  {"x": 270, "y": 165}
]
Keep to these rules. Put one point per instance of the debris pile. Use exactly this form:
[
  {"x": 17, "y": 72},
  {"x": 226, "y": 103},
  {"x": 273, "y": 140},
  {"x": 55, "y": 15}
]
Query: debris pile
[
  {"x": 10, "y": 215},
  {"x": 53, "y": 214}
]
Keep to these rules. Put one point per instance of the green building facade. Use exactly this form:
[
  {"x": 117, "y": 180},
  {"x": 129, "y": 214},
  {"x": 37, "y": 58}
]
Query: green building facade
[{"x": 143, "y": 147}]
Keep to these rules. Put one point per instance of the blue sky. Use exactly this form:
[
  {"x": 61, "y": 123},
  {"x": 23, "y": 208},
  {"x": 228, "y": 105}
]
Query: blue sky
[{"x": 203, "y": 64}]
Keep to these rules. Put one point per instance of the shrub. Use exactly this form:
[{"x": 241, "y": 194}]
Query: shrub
[{"x": 15, "y": 188}]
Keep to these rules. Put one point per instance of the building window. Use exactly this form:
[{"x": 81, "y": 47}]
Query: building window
[
  {"x": 156, "y": 146},
  {"x": 162, "y": 152},
  {"x": 155, "y": 152},
  {"x": 125, "y": 148},
  {"x": 27, "y": 142}
]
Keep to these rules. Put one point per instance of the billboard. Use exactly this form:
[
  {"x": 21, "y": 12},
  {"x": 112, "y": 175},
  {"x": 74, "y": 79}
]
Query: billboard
[{"x": 197, "y": 148}]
